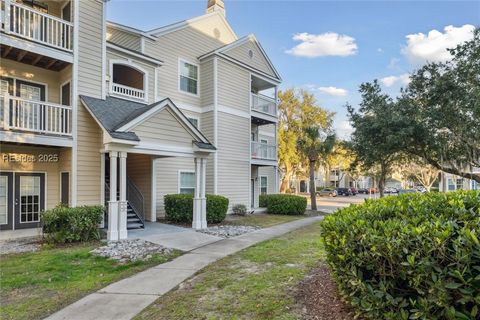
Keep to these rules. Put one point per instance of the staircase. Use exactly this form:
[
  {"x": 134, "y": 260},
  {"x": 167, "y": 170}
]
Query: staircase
[{"x": 135, "y": 213}]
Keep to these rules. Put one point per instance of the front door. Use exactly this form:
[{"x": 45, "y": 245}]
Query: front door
[
  {"x": 29, "y": 199},
  {"x": 6, "y": 200}
]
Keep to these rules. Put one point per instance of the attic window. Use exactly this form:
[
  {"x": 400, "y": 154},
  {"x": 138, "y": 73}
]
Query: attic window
[{"x": 250, "y": 53}]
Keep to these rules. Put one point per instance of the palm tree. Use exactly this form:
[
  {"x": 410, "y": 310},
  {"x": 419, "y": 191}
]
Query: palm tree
[{"x": 312, "y": 145}]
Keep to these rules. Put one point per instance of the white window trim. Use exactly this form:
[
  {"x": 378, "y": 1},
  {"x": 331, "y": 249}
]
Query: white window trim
[
  {"x": 179, "y": 177},
  {"x": 27, "y": 80},
  {"x": 180, "y": 61},
  {"x": 190, "y": 116},
  {"x": 260, "y": 184},
  {"x": 61, "y": 91},
  {"x": 128, "y": 63}
]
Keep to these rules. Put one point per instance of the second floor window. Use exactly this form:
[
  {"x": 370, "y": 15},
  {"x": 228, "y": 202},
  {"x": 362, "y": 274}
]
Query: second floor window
[{"x": 188, "y": 77}]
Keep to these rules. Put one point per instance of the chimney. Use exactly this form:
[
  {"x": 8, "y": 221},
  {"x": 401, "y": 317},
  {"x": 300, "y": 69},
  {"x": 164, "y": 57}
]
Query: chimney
[{"x": 216, "y": 6}]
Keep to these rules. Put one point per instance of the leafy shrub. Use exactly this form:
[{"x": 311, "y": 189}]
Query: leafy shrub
[
  {"x": 63, "y": 224},
  {"x": 179, "y": 208},
  {"x": 217, "y": 207},
  {"x": 239, "y": 209},
  {"x": 263, "y": 200},
  {"x": 415, "y": 256},
  {"x": 288, "y": 204}
]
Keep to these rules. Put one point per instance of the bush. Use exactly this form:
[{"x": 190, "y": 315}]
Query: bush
[
  {"x": 263, "y": 200},
  {"x": 63, "y": 224},
  {"x": 217, "y": 207},
  {"x": 415, "y": 256},
  {"x": 239, "y": 209},
  {"x": 284, "y": 204},
  {"x": 179, "y": 208}
]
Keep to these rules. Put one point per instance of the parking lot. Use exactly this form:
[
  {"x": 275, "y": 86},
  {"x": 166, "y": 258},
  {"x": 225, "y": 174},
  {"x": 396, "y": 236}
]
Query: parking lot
[{"x": 330, "y": 204}]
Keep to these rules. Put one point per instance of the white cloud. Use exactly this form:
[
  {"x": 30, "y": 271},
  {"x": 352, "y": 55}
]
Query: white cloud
[
  {"x": 343, "y": 129},
  {"x": 403, "y": 79},
  {"x": 433, "y": 46},
  {"x": 325, "y": 44},
  {"x": 333, "y": 91}
]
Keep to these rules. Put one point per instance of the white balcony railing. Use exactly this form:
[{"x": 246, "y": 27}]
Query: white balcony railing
[
  {"x": 127, "y": 91},
  {"x": 33, "y": 25},
  {"x": 35, "y": 116},
  {"x": 263, "y": 151},
  {"x": 264, "y": 104}
]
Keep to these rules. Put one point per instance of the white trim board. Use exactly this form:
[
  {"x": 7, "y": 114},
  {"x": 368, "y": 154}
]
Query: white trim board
[{"x": 154, "y": 61}]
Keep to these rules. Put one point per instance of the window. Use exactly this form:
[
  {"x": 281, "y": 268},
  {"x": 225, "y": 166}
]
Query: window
[
  {"x": 451, "y": 184},
  {"x": 263, "y": 185},
  {"x": 475, "y": 185},
  {"x": 188, "y": 77},
  {"x": 459, "y": 184},
  {"x": 186, "y": 182},
  {"x": 193, "y": 121}
]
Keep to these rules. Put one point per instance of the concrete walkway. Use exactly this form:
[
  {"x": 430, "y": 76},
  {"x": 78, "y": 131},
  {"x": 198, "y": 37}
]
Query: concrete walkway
[{"x": 128, "y": 297}]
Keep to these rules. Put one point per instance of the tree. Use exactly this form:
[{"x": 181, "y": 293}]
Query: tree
[
  {"x": 297, "y": 110},
  {"x": 378, "y": 130},
  {"x": 313, "y": 143},
  {"x": 441, "y": 105},
  {"x": 341, "y": 158},
  {"x": 423, "y": 173}
]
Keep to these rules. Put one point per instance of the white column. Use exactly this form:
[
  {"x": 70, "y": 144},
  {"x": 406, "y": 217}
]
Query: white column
[
  {"x": 122, "y": 212},
  {"x": 203, "y": 196},
  {"x": 197, "y": 202},
  {"x": 112, "y": 233}
]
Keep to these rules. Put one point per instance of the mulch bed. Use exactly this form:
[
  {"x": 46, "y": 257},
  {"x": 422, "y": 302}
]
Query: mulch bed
[{"x": 318, "y": 297}]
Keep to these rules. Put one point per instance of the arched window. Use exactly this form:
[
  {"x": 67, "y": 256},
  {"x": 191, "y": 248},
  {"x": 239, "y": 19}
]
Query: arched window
[{"x": 128, "y": 81}]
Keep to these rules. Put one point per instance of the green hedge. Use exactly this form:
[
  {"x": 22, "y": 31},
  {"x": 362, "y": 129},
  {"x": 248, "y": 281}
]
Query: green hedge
[
  {"x": 415, "y": 256},
  {"x": 179, "y": 208},
  {"x": 263, "y": 200},
  {"x": 63, "y": 224},
  {"x": 288, "y": 204}
]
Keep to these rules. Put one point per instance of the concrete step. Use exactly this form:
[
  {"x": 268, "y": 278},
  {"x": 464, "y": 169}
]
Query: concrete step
[{"x": 134, "y": 226}]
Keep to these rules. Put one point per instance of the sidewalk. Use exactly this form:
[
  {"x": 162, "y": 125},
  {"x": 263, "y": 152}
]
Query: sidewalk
[{"x": 126, "y": 298}]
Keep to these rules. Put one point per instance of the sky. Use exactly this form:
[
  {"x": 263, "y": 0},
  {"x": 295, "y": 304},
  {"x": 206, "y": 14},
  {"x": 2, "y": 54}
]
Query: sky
[{"x": 330, "y": 47}]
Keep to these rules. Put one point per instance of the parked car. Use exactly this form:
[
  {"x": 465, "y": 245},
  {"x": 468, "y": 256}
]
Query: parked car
[
  {"x": 390, "y": 190},
  {"x": 363, "y": 190},
  {"x": 354, "y": 190},
  {"x": 373, "y": 190},
  {"x": 404, "y": 191},
  {"x": 344, "y": 192},
  {"x": 327, "y": 192}
]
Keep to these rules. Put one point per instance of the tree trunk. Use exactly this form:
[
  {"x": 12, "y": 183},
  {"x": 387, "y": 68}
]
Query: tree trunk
[
  {"x": 313, "y": 192},
  {"x": 381, "y": 182},
  {"x": 285, "y": 183}
]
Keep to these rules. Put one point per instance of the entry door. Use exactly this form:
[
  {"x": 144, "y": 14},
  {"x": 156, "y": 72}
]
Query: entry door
[
  {"x": 29, "y": 199},
  {"x": 6, "y": 200},
  {"x": 65, "y": 188}
]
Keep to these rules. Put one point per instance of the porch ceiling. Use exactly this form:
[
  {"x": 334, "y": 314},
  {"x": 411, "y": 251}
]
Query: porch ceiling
[{"x": 31, "y": 58}]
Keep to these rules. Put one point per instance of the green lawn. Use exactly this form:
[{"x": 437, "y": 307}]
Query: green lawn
[
  {"x": 266, "y": 220},
  {"x": 36, "y": 284},
  {"x": 256, "y": 283}
]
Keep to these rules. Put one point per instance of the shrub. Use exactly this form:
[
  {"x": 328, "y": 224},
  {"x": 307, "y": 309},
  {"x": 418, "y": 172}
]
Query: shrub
[
  {"x": 217, "y": 207},
  {"x": 285, "y": 204},
  {"x": 63, "y": 224},
  {"x": 179, "y": 208},
  {"x": 415, "y": 256},
  {"x": 239, "y": 209},
  {"x": 263, "y": 200}
]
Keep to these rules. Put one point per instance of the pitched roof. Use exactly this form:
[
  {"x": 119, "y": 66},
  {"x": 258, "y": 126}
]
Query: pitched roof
[
  {"x": 115, "y": 114},
  {"x": 133, "y": 52},
  {"x": 251, "y": 37}
]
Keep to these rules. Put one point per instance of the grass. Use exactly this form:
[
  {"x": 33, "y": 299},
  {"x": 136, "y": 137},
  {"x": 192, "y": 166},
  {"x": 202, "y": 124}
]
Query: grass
[
  {"x": 256, "y": 283},
  {"x": 34, "y": 285}
]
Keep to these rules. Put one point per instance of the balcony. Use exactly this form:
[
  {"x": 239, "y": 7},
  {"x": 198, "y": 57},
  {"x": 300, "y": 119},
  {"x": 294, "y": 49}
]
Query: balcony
[
  {"x": 28, "y": 23},
  {"x": 264, "y": 104},
  {"x": 263, "y": 152},
  {"x": 127, "y": 92},
  {"x": 35, "y": 116}
]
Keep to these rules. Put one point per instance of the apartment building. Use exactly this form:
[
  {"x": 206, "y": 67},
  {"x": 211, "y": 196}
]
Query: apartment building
[{"x": 95, "y": 112}]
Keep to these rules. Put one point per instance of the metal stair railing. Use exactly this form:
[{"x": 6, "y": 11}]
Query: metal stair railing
[{"x": 136, "y": 200}]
